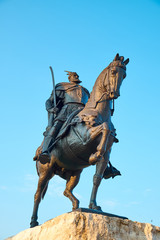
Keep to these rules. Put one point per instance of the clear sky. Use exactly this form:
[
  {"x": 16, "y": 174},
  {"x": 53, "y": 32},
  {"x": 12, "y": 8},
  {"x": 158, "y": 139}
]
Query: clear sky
[{"x": 81, "y": 36}]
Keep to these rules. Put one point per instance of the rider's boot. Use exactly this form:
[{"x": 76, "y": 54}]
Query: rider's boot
[
  {"x": 48, "y": 140},
  {"x": 44, "y": 156},
  {"x": 111, "y": 171}
]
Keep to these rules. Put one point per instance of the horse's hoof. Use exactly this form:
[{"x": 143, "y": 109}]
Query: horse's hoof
[
  {"x": 34, "y": 224},
  {"x": 94, "y": 158},
  {"x": 75, "y": 206},
  {"x": 98, "y": 208},
  {"x": 95, "y": 207}
]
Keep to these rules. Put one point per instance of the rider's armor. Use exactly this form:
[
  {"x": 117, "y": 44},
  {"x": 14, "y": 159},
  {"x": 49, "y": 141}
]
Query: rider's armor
[
  {"x": 69, "y": 97},
  {"x": 74, "y": 93}
]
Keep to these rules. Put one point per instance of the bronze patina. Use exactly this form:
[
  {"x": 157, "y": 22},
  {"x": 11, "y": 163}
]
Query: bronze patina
[{"x": 80, "y": 133}]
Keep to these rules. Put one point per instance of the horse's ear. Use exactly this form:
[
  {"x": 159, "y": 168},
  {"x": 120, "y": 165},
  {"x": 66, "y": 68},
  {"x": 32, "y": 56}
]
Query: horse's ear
[
  {"x": 126, "y": 61},
  {"x": 116, "y": 57}
]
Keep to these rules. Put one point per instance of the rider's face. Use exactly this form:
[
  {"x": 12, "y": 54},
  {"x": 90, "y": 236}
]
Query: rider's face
[{"x": 74, "y": 78}]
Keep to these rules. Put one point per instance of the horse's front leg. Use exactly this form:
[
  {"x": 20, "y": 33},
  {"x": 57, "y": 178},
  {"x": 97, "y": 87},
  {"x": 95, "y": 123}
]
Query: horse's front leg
[
  {"x": 100, "y": 168},
  {"x": 101, "y": 148}
]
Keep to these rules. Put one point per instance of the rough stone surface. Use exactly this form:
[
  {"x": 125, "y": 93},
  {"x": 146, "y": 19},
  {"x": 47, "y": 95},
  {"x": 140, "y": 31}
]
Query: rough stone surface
[{"x": 89, "y": 226}]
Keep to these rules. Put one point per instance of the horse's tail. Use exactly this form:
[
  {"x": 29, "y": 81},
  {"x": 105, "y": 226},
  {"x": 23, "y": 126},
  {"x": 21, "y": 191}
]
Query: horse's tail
[
  {"x": 45, "y": 190},
  {"x": 37, "y": 168}
]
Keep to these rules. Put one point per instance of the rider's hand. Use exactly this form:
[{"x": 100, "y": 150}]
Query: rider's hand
[{"x": 54, "y": 110}]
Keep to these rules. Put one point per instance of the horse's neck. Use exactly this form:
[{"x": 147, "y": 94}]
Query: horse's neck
[{"x": 98, "y": 100}]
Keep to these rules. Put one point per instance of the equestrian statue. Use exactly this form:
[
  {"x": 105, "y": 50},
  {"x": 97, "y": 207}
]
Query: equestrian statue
[{"x": 79, "y": 134}]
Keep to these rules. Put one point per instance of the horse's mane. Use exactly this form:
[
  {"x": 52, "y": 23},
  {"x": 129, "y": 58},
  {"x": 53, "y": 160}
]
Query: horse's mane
[{"x": 100, "y": 84}]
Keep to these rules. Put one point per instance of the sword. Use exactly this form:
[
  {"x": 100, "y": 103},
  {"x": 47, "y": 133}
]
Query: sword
[{"x": 54, "y": 94}]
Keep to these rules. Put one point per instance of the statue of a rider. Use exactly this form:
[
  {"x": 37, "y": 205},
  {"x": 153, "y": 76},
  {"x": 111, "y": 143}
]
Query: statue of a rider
[
  {"x": 66, "y": 98},
  {"x": 70, "y": 96}
]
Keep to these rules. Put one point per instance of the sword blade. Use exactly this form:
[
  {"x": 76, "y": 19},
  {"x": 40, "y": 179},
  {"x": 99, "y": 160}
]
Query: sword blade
[{"x": 54, "y": 90}]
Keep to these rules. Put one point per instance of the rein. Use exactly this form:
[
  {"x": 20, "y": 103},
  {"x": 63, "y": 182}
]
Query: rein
[{"x": 112, "y": 110}]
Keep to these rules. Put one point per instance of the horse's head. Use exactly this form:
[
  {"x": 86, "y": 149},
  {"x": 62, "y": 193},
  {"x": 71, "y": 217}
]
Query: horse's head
[{"x": 115, "y": 76}]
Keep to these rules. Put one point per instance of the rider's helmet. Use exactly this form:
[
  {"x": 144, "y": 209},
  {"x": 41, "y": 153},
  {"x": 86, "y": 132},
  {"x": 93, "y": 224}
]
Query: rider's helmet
[{"x": 73, "y": 77}]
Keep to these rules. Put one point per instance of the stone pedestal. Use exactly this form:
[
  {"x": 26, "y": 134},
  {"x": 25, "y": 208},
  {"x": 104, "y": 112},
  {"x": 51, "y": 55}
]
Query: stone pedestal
[{"x": 89, "y": 226}]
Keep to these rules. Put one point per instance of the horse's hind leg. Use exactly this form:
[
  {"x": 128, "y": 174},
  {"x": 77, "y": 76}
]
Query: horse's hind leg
[
  {"x": 41, "y": 190},
  {"x": 72, "y": 181}
]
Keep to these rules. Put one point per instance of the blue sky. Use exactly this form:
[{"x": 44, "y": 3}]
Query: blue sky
[{"x": 81, "y": 36}]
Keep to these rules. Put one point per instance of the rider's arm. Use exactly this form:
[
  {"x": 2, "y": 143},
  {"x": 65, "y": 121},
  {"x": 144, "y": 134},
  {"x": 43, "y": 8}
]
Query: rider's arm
[
  {"x": 50, "y": 106},
  {"x": 50, "y": 103}
]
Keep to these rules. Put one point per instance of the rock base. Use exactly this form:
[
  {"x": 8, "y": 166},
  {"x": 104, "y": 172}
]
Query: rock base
[{"x": 89, "y": 226}]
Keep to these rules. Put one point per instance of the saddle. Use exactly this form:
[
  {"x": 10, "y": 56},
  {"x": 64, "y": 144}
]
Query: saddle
[{"x": 66, "y": 126}]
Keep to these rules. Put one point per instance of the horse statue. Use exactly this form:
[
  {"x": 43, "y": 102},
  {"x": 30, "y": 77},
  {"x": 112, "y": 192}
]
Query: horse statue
[{"x": 85, "y": 140}]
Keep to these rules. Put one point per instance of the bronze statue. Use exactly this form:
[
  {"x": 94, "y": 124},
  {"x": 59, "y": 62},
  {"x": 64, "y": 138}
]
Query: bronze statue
[{"x": 83, "y": 137}]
